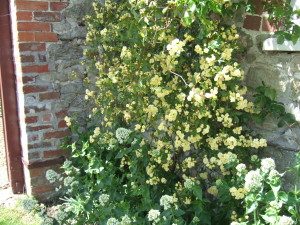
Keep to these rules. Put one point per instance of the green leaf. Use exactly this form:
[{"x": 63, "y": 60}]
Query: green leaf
[
  {"x": 282, "y": 196},
  {"x": 251, "y": 206},
  {"x": 197, "y": 191},
  {"x": 280, "y": 39}
]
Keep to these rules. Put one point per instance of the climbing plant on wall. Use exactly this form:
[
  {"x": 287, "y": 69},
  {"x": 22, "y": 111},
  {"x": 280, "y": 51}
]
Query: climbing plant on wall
[{"x": 169, "y": 143}]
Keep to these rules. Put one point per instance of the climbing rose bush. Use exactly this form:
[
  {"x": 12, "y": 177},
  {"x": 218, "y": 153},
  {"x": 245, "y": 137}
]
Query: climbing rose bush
[{"x": 169, "y": 143}]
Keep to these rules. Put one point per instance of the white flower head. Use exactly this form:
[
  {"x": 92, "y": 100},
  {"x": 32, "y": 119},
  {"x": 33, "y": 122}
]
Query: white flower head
[
  {"x": 275, "y": 204},
  {"x": 241, "y": 169},
  {"x": 112, "y": 221},
  {"x": 125, "y": 220},
  {"x": 122, "y": 134},
  {"x": 166, "y": 201},
  {"x": 153, "y": 215},
  {"x": 274, "y": 174},
  {"x": 103, "y": 199},
  {"x": 267, "y": 165},
  {"x": 285, "y": 220},
  {"x": 52, "y": 176},
  {"x": 253, "y": 180},
  {"x": 189, "y": 184}
]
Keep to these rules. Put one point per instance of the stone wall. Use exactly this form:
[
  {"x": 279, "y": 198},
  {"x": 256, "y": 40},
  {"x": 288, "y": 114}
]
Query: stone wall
[{"x": 279, "y": 70}]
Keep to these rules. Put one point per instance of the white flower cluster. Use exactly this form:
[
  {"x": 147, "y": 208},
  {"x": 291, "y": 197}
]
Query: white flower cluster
[
  {"x": 52, "y": 176},
  {"x": 103, "y": 199},
  {"x": 29, "y": 204},
  {"x": 61, "y": 216},
  {"x": 241, "y": 169},
  {"x": 267, "y": 165},
  {"x": 112, "y": 221},
  {"x": 276, "y": 205},
  {"x": 122, "y": 134},
  {"x": 189, "y": 184},
  {"x": 253, "y": 180},
  {"x": 175, "y": 47},
  {"x": 274, "y": 174},
  {"x": 153, "y": 215},
  {"x": 166, "y": 201},
  {"x": 47, "y": 221},
  {"x": 68, "y": 181},
  {"x": 125, "y": 220},
  {"x": 284, "y": 220}
]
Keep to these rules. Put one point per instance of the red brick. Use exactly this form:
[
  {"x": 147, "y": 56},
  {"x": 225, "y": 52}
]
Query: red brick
[
  {"x": 38, "y": 128},
  {"x": 46, "y": 36},
  {"x": 61, "y": 114},
  {"x": 47, "y": 118},
  {"x": 252, "y": 22},
  {"x": 27, "y": 58},
  {"x": 33, "y": 26},
  {"x": 36, "y": 172},
  {"x": 34, "y": 88},
  {"x": 49, "y": 96},
  {"x": 47, "y": 16},
  {"x": 42, "y": 189},
  {"x": 28, "y": 79},
  {"x": 55, "y": 153},
  {"x": 267, "y": 25},
  {"x": 35, "y": 69},
  {"x": 26, "y": 36},
  {"x": 34, "y": 47},
  {"x": 32, "y": 5},
  {"x": 62, "y": 124},
  {"x": 57, "y": 134},
  {"x": 31, "y": 119},
  {"x": 24, "y": 16},
  {"x": 40, "y": 145},
  {"x": 58, "y": 6}
]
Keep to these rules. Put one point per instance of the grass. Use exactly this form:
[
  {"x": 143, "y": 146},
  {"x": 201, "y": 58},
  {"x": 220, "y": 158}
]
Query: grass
[{"x": 15, "y": 215}]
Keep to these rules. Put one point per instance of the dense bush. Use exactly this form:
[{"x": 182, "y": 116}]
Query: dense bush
[{"x": 170, "y": 144}]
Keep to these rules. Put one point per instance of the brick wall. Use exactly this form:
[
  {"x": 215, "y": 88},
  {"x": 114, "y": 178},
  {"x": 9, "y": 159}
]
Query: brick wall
[
  {"x": 259, "y": 20},
  {"x": 41, "y": 119}
]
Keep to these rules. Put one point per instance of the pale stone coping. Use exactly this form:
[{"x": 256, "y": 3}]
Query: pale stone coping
[{"x": 271, "y": 44}]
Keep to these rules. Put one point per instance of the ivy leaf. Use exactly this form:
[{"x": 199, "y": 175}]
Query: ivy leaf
[{"x": 280, "y": 39}]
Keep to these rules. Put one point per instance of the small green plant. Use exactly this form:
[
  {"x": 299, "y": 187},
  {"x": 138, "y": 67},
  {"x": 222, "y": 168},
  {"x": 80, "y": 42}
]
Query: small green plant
[{"x": 16, "y": 215}]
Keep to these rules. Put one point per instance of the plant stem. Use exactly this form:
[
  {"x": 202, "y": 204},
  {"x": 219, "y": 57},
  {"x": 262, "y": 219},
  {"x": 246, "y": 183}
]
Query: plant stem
[{"x": 255, "y": 220}]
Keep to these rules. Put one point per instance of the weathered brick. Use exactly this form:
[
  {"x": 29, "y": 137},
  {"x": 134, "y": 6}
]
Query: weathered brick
[
  {"x": 58, "y": 6},
  {"x": 31, "y": 119},
  {"x": 42, "y": 189},
  {"x": 24, "y": 15},
  {"x": 38, "y": 128},
  {"x": 46, "y": 36},
  {"x": 34, "y": 88},
  {"x": 252, "y": 22},
  {"x": 33, "y": 26},
  {"x": 28, "y": 79},
  {"x": 49, "y": 96},
  {"x": 47, "y": 16},
  {"x": 35, "y": 69},
  {"x": 46, "y": 118},
  {"x": 36, "y": 109},
  {"x": 34, "y": 155},
  {"x": 40, "y": 145},
  {"x": 55, "y": 153},
  {"x": 36, "y": 172},
  {"x": 42, "y": 58},
  {"x": 61, "y": 114},
  {"x": 26, "y": 36},
  {"x": 267, "y": 25},
  {"x": 258, "y": 6},
  {"x": 62, "y": 124},
  {"x": 27, "y": 58},
  {"x": 31, "y": 5},
  {"x": 34, "y": 47},
  {"x": 57, "y": 134}
]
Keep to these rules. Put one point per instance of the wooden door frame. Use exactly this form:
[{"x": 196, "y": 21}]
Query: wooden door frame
[{"x": 9, "y": 102}]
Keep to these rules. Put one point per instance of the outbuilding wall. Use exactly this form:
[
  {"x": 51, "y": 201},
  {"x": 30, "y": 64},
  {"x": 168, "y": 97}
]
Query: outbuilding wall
[{"x": 48, "y": 39}]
